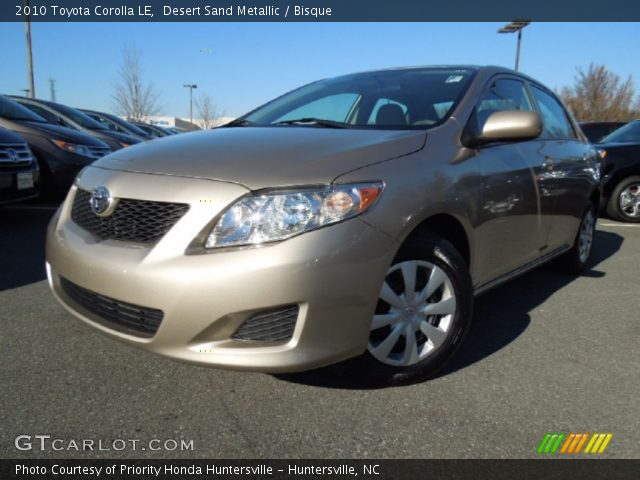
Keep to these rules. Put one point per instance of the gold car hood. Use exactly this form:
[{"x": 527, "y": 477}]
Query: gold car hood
[{"x": 261, "y": 157}]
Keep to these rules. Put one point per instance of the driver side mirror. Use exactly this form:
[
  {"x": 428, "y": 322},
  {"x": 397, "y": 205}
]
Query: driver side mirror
[{"x": 505, "y": 126}]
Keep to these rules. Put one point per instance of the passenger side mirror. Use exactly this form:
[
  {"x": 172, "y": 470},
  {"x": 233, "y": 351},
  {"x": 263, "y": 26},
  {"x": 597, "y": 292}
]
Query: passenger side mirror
[{"x": 505, "y": 126}]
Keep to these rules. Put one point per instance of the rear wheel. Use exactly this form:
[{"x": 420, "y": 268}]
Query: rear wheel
[
  {"x": 624, "y": 204},
  {"x": 575, "y": 260},
  {"x": 424, "y": 309}
]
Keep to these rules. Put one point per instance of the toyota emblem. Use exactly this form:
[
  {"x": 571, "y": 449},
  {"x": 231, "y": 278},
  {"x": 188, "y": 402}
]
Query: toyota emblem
[{"x": 101, "y": 201}]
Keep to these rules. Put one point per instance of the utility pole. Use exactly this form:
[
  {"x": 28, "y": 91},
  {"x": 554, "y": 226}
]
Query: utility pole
[
  {"x": 190, "y": 87},
  {"x": 52, "y": 88},
  {"x": 32, "y": 88},
  {"x": 514, "y": 27}
]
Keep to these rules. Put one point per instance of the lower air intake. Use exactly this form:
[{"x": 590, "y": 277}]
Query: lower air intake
[{"x": 275, "y": 325}]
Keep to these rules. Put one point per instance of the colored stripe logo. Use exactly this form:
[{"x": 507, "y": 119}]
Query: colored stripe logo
[{"x": 573, "y": 443}]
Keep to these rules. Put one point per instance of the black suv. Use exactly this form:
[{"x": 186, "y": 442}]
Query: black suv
[{"x": 19, "y": 173}]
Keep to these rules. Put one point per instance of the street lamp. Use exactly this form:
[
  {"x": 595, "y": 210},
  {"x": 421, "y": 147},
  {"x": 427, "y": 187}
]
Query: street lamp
[
  {"x": 190, "y": 87},
  {"x": 514, "y": 27}
]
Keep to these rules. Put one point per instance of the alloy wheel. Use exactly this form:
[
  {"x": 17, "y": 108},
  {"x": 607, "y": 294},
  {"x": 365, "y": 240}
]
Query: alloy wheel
[
  {"x": 415, "y": 312},
  {"x": 629, "y": 201}
]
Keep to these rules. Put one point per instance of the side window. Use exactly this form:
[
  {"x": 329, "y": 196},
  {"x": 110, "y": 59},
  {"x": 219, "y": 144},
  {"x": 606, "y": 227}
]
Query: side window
[
  {"x": 334, "y": 107},
  {"x": 503, "y": 95},
  {"x": 554, "y": 118}
]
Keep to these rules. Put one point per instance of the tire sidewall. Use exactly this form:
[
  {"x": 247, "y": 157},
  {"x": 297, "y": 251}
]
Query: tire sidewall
[
  {"x": 442, "y": 254},
  {"x": 614, "y": 209}
]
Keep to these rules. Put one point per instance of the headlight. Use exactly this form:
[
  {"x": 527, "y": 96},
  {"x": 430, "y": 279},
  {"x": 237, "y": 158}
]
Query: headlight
[
  {"x": 275, "y": 216},
  {"x": 74, "y": 148}
]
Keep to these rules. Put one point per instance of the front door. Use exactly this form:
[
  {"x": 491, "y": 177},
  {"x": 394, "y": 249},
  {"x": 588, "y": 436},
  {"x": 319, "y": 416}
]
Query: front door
[{"x": 512, "y": 229}]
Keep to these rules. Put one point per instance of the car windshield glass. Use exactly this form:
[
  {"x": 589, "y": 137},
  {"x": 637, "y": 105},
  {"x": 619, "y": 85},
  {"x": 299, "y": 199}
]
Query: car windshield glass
[
  {"x": 14, "y": 111},
  {"x": 127, "y": 126},
  {"x": 415, "y": 98},
  {"x": 78, "y": 117},
  {"x": 630, "y": 133}
]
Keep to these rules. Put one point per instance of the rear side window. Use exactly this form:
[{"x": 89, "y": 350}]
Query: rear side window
[{"x": 554, "y": 118}]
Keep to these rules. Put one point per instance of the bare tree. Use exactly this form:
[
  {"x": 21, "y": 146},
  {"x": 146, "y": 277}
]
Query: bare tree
[
  {"x": 599, "y": 94},
  {"x": 207, "y": 110},
  {"x": 132, "y": 97}
]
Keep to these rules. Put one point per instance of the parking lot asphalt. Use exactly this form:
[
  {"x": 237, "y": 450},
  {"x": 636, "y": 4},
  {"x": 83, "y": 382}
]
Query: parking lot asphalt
[{"x": 546, "y": 353}]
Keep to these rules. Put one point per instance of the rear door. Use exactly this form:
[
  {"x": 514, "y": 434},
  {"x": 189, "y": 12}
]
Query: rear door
[
  {"x": 512, "y": 228},
  {"x": 568, "y": 175}
]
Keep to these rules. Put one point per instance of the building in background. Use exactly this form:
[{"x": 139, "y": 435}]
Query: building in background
[{"x": 183, "y": 123}]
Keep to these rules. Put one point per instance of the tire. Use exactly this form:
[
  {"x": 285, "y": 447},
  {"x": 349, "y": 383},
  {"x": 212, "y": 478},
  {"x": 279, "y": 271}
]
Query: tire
[
  {"x": 624, "y": 203},
  {"x": 441, "y": 283},
  {"x": 576, "y": 260}
]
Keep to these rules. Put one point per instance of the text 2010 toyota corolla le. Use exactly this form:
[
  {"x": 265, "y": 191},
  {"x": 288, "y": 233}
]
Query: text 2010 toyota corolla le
[{"x": 353, "y": 217}]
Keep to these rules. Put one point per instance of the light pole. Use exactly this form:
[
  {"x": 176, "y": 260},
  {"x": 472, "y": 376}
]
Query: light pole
[
  {"x": 32, "y": 89},
  {"x": 190, "y": 87},
  {"x": 514, "y": 27}
]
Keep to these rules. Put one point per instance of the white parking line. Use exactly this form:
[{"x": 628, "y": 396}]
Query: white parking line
[{"x": 619, "y": 225}]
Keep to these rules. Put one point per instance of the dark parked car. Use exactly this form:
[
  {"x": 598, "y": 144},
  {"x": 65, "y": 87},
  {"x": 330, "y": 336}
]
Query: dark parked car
[
  {"x": 155, "y": 131},
  {"x": 620, "y": 151},
  {"x": 60, "y": 152},
  {"x": 70, "y": 117},
  {"x": 19, "y": 173},
  {"x": 596, "y": 131},
  {"x": 115, "y": 123}
]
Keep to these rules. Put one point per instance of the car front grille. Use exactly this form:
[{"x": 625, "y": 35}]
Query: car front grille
[
  {"x": 139, "y": 221},
  {"x": 135, "y": 319},
  {"x": 99, "y": 152},
  {"x": 15, "y": 155},
  {"x": 275, "y": 325}
]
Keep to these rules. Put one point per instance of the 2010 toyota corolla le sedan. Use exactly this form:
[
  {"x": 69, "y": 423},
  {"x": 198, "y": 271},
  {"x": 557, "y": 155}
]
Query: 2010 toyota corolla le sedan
[{"x": 355, "y": 217}]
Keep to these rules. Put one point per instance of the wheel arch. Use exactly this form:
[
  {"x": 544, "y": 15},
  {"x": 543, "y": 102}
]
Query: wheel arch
[{"x": 450, "y": 228}]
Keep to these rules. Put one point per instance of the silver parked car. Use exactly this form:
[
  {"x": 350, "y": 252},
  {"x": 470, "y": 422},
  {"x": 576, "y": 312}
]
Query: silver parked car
[{"x": 355, "y": 217}]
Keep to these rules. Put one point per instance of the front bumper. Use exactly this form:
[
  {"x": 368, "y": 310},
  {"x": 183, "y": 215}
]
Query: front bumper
[
  {"x": 332, "y": 274},
  {"x": 9, "y": 191}
]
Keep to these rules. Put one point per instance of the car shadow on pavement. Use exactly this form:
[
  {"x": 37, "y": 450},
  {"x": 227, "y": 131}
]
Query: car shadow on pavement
[
  {"x": 22, "y": 241},
  {"x": 500, "y": 316}
]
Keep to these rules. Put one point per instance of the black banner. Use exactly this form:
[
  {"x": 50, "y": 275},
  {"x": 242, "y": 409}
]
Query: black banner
[
  {"x": 547, "y": 469},
  {"x": 317, "y": 10}
]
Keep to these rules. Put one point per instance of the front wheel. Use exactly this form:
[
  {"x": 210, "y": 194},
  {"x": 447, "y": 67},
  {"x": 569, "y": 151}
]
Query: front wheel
[{"x": 424, "y": 309}]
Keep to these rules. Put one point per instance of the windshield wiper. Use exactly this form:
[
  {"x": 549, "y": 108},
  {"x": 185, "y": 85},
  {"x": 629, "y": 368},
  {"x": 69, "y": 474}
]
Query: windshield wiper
[
  {"x": 315, "y": 122},
  {"x": 240, "y": 122}
]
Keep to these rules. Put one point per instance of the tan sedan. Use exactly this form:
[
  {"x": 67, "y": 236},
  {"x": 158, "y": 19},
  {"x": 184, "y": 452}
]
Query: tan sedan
[{"x": 355, "y": 217}]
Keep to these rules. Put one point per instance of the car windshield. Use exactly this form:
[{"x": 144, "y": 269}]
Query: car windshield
[
  {"x": 126, "y": 125},
  {"x": 416, "y": 98},
  {"x": 630, "y": 133},
  {"x": 14, "y": 111},
  {"x": 77, "y": 117}
]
